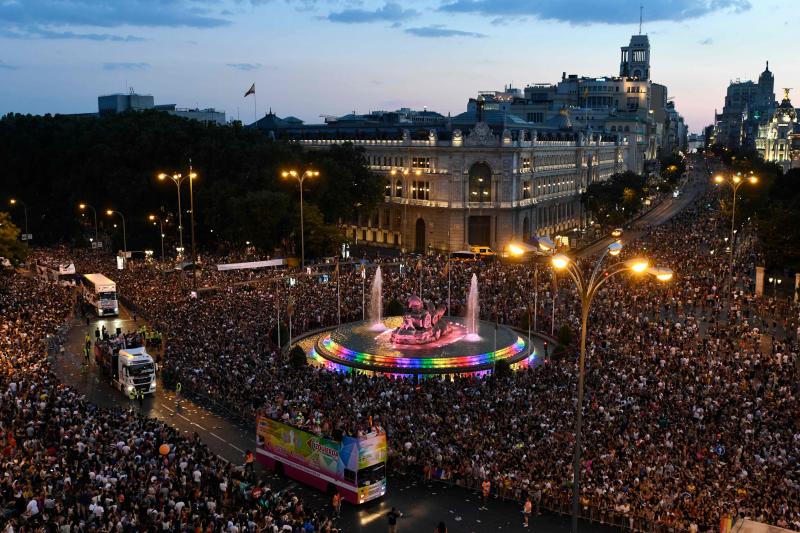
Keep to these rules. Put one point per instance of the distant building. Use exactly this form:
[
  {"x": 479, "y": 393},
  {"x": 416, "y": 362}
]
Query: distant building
[
  {"x": 208, "y": 115},
  {"x": 635, "y": 58},
  {"x": 122, "y": 103},
  {"x": 747, "y": 105},
  {"x": 778, "y": 138}
]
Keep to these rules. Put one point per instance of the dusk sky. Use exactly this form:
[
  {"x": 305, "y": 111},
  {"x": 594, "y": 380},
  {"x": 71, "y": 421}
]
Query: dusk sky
[{"x": 313, "y": 57}]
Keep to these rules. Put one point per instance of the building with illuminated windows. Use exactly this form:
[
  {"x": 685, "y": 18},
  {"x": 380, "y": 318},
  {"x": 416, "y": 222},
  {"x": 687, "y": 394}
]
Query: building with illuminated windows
[
  {"x": 512, "y": 166},
  {"x": 478, "y": 178},
  {"x": 778, "y": 138}
]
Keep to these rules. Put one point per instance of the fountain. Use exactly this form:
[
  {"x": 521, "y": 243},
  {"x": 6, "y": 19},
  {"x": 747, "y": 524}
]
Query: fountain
[
  {"x": 423, "y": 341},
  {"x": 421, "y": 325},
  {"x": 473, "y": 310},
  {"x": 376, "y": 301}
]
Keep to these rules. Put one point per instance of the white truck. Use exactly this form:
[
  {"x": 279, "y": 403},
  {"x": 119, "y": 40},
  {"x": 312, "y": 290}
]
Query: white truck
[{"x": 133, "y": 368}]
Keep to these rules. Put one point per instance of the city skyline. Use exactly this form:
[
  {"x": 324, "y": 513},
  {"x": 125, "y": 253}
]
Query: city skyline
[{"x": 59, "y": 56}]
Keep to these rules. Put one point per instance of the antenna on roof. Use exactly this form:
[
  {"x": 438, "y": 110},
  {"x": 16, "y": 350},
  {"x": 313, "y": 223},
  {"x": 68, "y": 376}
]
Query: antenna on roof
[{"x": 641, "y": 11}]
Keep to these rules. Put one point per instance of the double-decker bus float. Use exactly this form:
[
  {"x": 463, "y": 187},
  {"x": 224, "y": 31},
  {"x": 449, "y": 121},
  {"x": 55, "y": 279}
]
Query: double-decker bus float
[{"x": 353, "y": 466}]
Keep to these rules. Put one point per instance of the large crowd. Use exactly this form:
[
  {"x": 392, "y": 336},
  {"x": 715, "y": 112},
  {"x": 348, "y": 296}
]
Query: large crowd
[
  {"x": 692, "y": 403},
  {"x": 69, "y": 466}
]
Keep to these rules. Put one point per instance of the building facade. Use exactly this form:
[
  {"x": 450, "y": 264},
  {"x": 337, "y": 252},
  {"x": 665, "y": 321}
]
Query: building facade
[
  {"x": 748, "y": 104},
  {"x": 122, "y": 103},
  {"x": 778, "y": 138},
  {"x": 479, "y": 178}
]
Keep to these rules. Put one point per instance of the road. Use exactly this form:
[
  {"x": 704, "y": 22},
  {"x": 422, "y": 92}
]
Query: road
[{"x": 660, "y": 214}]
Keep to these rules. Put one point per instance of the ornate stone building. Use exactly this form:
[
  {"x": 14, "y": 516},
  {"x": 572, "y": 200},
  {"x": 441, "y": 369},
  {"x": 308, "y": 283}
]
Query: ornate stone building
[
  {"x": 779, "y": 138},
  {"x": 479, "y": 178}
]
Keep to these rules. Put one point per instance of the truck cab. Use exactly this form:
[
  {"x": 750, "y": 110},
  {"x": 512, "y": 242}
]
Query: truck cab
[{"x": 133, "y": 369}]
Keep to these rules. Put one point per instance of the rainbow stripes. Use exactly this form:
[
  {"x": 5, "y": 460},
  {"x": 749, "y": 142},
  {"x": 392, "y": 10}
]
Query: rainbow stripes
[{"x": 340, "y": 356}]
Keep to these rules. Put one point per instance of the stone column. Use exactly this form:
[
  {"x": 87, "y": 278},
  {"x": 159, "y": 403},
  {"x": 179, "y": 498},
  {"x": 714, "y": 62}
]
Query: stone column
[{"x": 759, "y": 281}]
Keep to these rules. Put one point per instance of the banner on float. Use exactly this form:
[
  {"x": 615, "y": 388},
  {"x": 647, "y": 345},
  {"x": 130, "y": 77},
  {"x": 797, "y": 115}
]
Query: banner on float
[{"x": 251, "y": 264}]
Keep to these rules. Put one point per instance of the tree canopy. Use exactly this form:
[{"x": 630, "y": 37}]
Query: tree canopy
[
  {"x": 614, "y": 200},
  {"x": 11, "y": 247},
  {"x": 54, "y": 163}
]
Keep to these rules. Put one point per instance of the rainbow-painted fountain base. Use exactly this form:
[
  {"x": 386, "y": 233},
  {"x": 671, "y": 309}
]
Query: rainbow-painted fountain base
[{"x": 366, "y": 347}]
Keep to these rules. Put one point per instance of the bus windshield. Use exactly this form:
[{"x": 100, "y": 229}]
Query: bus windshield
[
  {"x": 371, "y": 474},
  {"x": 107, "y": 295}
]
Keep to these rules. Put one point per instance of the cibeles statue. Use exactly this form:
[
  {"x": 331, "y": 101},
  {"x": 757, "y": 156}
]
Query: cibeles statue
[{"x": 421, "y": 324}]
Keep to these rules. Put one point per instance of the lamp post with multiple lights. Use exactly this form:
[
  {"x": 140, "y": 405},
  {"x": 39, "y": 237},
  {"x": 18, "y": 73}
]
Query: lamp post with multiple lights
[
  {"x": 587, "y": 289},
  {"x": 734, "y": 181},
  {"x": 300, "y": 179}
]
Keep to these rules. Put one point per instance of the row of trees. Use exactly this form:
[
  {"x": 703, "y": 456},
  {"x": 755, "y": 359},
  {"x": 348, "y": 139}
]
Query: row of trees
[
  {"x": 54, "y": 163},
  {"x": 616, "y": 199}
]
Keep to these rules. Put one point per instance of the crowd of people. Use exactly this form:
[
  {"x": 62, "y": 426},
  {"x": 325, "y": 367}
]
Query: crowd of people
[
  {"x": 69, "y": 466},
  {"x": 691, "y": 412}
]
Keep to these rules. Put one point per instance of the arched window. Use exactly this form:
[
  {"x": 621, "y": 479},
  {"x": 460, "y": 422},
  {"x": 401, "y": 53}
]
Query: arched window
[
  {"x": 398, "y": 188},
  {"x": 480, "y": 183}
]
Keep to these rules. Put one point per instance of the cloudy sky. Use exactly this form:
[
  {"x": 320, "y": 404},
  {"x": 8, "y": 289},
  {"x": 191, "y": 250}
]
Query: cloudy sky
[{"x": 313, "y": 57}]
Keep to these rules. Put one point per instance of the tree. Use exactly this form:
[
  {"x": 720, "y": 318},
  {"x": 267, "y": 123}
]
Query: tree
[
  {"x": 394, "y": 308},
  {"x": 502, "y": 369},
  {"x": 11, "y": 247},
  {"x": 564, "y": 335},
  {"x": 615, "y": 200},
  {"x": 57, "y": 162},
  {"x": 297, "y": 357}
]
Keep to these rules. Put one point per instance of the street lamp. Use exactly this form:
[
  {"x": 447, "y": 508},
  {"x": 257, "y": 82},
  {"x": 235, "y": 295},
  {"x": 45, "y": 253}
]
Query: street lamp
[
  {"x": 111, "y": 212},
  {"x": 587, "y": 288},
  {"x": 14, "y": 201},
  {"x": 178, "y": 178},
  {"x": 300, "y": 179},
  {"x": 153, "y": 219},
  {"x": 735, "y": 181},
  {"x": 94, "y": 211},
  {"x": 775, "y": 282}
]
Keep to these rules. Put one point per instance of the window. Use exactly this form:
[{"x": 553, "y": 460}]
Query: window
[
  {"x": 480, "y": 183},
  {"x": 388, "y": 189},
  {"x": 398, "y": 189},
  {"x": 420, "y": 190},
  {"x": 526, "y": 164},
  {"x": 421, "y": 162},
  {"x": 534, "y": 117},
  {"x": 526, "y": 190}
]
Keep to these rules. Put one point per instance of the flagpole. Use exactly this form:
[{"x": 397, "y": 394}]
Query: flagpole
[
  {"x": 448, "y": 288},
  {"x": 255, "y": 107},
  {"x": 535, "y": 296}
]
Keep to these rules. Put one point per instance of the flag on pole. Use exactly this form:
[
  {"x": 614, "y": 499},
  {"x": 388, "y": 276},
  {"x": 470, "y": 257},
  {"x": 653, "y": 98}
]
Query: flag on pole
[
  {"x": 419, "y": 265},
  {"x": 446, "y": 271},
  {"x": 251, "y": 90},
  {"x": 290, "y": 307},
  {"x": 336, "y": 271}
]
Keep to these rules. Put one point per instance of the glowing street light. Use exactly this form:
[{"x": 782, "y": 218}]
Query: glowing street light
[
  {"x": 734, "y": 181},
  {"x": 300, "y": 179},
  {"x": 14, "y": 201},
  {"x": 587, "y": 289},
  {"x": 94, "y": 212},
  {"x": 111, "y": 212}
]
